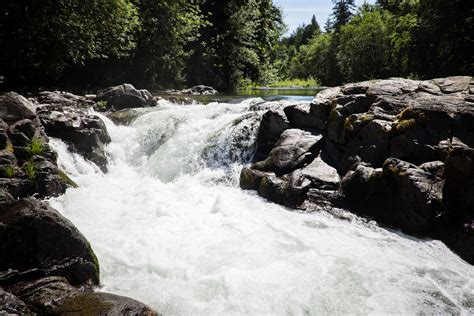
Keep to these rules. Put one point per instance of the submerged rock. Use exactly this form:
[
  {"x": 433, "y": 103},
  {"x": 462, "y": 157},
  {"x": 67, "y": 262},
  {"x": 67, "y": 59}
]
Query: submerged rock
[{"x": 198, "y": 90}]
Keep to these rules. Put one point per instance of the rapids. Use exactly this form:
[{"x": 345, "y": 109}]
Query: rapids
[{"x": 171, "y": 228}]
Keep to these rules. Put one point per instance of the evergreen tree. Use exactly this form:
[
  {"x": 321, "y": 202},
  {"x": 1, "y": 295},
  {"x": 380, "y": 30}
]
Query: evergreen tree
[{"x": 342, "y": 12}]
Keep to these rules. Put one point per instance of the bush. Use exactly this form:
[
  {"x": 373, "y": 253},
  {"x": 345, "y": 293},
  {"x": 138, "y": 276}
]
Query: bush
[{"x": 35, "y": 147}]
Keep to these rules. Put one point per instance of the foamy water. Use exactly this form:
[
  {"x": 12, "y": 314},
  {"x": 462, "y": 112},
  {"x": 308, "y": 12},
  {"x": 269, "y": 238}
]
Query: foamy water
[{"x": 171, "y": 228}]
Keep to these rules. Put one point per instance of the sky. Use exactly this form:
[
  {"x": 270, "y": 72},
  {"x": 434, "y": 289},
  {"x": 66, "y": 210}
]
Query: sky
[{"x": 297, "y": 12}]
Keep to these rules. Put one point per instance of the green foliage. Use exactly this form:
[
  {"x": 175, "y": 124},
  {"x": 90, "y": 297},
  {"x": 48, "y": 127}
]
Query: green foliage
[
  {"x": 43, "y": 38},
  {"x": 9, "y": 171},
  {"x": 101, "y": 105},
  {"x": 30, "y": 170},
  {"x": 35, "y": 147},
  {"x": 365, "y": 50},
  {"x": 67, "y": 180}
]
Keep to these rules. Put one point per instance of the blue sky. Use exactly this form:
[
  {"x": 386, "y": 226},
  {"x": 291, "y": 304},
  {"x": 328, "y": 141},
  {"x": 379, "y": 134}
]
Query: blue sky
[{"x": 297, "y": 12}]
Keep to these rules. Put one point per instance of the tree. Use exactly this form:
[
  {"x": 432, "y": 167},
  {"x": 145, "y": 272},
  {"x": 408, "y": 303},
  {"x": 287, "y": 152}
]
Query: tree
[
  {"x": 342, "y": 12},
  {"x": 365, "y": 50},
  {"x": 444, "y": 38},
  {"x": 40, "y": 39}
]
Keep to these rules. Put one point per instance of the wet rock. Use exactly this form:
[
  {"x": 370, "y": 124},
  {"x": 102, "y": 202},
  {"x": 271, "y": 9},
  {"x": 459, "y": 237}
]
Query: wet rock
[
  {"x": 123, "y": 117},
  {"x": 125, "y": 96},
  {"x": 289, "y": 190},
  {"x": 12, "y": 305},
  {"x": 54, "y": 295},
  {"x": 38, "y": 242},
  {"x": 272, "y": 125},
  {"x": 301, "y": 116},
  {"x": 84, "y": 133},
  {"x": 250, "y": 178},
  {"x": 293, "y": 150},
  {"x": 22, "y": 132},
  {"x": 96, "y": 303},
  {"x": 198, "y": 90},
  {"x": 14, "y": 107}
]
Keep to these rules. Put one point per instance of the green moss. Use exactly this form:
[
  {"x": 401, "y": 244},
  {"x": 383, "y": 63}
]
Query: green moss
[
  {"x": 410, "y": 113},
  {"x": 404, "y": 125},
  {"x": 30, "y": 170},
  {"x": 67, "y": 180}
]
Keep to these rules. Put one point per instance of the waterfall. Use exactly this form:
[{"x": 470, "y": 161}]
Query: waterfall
[{"x": 171, "y": 228}]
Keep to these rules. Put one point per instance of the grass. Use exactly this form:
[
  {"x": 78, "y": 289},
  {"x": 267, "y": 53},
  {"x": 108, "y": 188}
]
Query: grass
[
  {"x": 35, "y": 147},
  {"x": 67, "y": 180},
  {"x": 30, "y": 170},
  {"x": 9, "y": 171},
  {"x": 102, "y": 105},
  {"x": 287, "y": 83}
]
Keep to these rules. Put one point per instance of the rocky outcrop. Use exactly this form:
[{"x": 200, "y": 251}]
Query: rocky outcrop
[
  {"x": 46, "y": 265},
  {"x": 27, "y": 163},
  {"x": 402, "y": 147},
  {"x": 84, "y": 133},
  {"x": 123, "y": 97}
]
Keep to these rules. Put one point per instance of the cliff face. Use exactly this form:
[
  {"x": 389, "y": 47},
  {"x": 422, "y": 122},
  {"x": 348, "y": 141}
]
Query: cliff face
[{"x": 399, "y": 151}]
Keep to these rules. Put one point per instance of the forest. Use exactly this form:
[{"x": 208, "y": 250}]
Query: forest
[{"x": 227, "y": 44}]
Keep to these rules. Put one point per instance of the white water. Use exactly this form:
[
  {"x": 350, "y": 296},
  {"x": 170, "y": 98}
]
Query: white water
[{"x": 171, "y": 228}]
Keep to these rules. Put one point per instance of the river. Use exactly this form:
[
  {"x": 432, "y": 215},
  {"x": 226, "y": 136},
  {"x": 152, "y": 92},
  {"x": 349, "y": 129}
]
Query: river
[{"x": 172, "y": 228}]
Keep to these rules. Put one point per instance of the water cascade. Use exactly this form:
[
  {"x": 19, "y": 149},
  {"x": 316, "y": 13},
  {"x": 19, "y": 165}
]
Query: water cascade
[{"x": 172, "y": 228}]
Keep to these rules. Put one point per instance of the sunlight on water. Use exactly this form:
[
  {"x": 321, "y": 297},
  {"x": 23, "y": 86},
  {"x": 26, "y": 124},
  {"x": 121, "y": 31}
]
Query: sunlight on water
[{"x": 171, "y": 228}]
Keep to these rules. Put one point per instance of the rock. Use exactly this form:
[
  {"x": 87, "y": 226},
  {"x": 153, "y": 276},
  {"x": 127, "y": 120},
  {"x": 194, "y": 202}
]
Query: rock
[
  {"x": 250, "y": 178},
  {"x": 125, "y": 96},
  {"x": 322, "y": 105},
  {"x": 18, "y": 188},
  {"x": 272, "y": 125},
  {"x": 12, "y": 305},
  {"x": 453, "y": 84},
  {"x": 459, "y": 187},
  {"x": 123, "y": 117},
  {"x": 54, "y": 295},
  {"x": 401, "y": 195},
  {"x": 300, "y": 116},
  {"x": 199, "y": 90},
  {"x": 14, "y": 107},
  {"x": 84, "y": 133},
  {"x": 22, "y": 132},
  {"x": 62, "y": 98},
  {"x": 321, "y": 175},
  {"x": 293, "y": 150},
  {"x": 289, "y": 190},
  {"x": 38, "y": 242}
]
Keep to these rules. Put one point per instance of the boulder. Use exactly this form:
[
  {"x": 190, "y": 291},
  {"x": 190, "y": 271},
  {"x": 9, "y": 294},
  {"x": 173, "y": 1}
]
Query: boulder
[
  {"x": 294, "y": 149},
  {"x": 250, "y": 178},
  {"x": 289, "y": 190},
  {"x": 38, "y": 242},
  {"x": 272, "y": 125},
  {"x": 125, "y": 96},
  {"x": 62, "y": 98},
  {"x": 84, "y": 133},
  {"x": 54, "y": 295},
  {"x": 301, "y": 116},
  {"x": 198, "y": 90},
  {"x": 14, "y": 107},
  {"x": 321, "y": 175},
  {"x": 400, "y": 195}
]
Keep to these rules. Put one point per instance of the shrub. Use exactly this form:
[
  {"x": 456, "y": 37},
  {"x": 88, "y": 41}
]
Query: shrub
[{"x": 35, "y": 147}]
